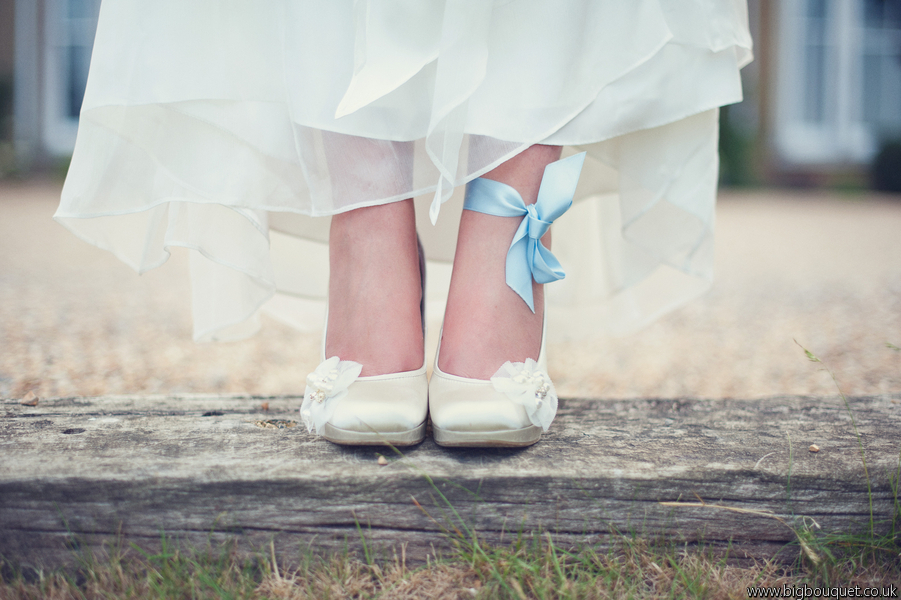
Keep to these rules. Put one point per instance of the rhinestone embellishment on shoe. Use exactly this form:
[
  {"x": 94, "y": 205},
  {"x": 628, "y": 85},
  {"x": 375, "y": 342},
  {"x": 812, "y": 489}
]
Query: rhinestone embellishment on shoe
[
  {"x": 325, "y": 386},
  {"x": 527, "y": 385},
  {"x": 532, "y": 379}
]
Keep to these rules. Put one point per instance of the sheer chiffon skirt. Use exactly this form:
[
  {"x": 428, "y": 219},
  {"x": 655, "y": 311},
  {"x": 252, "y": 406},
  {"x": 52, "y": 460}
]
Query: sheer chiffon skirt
[{"x": 236, "y": 128}]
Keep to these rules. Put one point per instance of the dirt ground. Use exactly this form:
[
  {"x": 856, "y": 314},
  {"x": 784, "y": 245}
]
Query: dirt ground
[{"x": 820, "y": 268}]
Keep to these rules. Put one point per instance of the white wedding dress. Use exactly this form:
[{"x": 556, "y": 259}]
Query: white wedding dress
[{"x": 235, "y": 128}]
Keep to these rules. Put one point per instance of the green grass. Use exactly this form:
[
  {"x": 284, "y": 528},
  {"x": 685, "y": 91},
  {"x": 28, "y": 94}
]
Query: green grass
[
  {"x": 532, "y": 566},
  {"x": 833, "y": 556}
]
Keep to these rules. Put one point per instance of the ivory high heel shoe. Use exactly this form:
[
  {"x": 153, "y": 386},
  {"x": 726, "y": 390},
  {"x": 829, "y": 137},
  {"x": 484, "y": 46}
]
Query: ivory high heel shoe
[
  {"x": 519, "y": 402},
  {"x": 347, "y": 409},
  {"x": 509, "y": 410}
]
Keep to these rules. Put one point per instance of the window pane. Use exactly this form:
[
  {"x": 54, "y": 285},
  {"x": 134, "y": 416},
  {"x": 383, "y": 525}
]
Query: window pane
[
  {"x": 79, "y": 23},
  {"x": 871, "y": 87},
  {"x": 80, "y": 9},
  {"x": 816, "y": 9},
  {"x": 815, "y": 59},
  {"x": 873, "y": 11},
  {"x": 882, "y": 66},
  {"x": 814, "y": 75},
  {"x": 79, "y": 61},
  {"x": 892, "y": 13}
]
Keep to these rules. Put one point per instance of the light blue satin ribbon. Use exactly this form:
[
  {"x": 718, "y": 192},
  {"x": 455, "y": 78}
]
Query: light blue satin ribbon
[{"x": 527, "y": 257}]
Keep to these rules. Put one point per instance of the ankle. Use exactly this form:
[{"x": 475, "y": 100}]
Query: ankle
[
  {"x": 375, "y": 289},
  {"x": 486, "y": 323},
  {"x": 495, "y": 314},
  {"x": 477, "y": 342}
]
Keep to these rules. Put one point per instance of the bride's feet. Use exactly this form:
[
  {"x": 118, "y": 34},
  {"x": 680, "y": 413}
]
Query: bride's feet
[
  {"x": 487, "y": 323},
  {"x": 371, "y": 387},
  {"x": 375, "y": 289}
]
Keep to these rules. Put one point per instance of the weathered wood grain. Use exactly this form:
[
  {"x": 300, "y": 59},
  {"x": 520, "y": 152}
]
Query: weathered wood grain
[{"x": 81, "y": 471}]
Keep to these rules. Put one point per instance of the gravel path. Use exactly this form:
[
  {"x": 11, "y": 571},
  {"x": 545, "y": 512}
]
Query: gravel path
[{"x": 819, "y": 268}]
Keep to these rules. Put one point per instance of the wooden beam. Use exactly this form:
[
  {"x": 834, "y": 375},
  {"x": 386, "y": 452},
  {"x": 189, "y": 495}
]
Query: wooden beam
[{"x": 78, "y": 472}]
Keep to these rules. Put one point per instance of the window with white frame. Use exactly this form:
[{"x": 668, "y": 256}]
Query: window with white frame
[{"x": 838, "y": 88}]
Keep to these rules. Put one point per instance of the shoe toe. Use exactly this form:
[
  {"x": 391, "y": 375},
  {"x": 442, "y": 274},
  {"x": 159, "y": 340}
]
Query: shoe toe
[
  {"x": 473, "y": 406},
  {"x": 386, "y": 405}
]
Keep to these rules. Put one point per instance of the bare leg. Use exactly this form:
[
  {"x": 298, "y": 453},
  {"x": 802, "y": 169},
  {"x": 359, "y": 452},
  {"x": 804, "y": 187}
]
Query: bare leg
[
  {"x": 486, "y": 322},
  {"x": 374, "y": 289}
]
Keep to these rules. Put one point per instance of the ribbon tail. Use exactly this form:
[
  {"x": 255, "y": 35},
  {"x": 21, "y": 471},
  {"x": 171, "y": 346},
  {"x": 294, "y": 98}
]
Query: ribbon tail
[
  {"x": 545, "y": 266},
  {"x": 558, "y": 187}
]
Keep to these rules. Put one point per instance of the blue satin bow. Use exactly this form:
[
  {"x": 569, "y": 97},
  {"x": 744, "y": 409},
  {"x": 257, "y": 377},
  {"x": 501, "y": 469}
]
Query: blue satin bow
[{"x": 527, "y": 256}]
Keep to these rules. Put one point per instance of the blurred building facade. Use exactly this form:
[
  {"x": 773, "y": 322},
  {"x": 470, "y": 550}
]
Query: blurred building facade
[
  {"x": 51, "y": 45},
  {"x": 823, "y": 94},
  {"x": 826, "y": 87}
]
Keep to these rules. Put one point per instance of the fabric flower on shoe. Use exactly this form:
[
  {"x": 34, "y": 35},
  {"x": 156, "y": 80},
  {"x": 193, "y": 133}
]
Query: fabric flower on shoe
[
  {"x": 325, "y": 386},
  {"x": 525, "y": 384}
]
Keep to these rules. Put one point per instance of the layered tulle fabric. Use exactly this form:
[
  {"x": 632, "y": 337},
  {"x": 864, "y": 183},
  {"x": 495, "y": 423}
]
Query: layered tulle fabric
[{"x": 236, "y": 128}]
